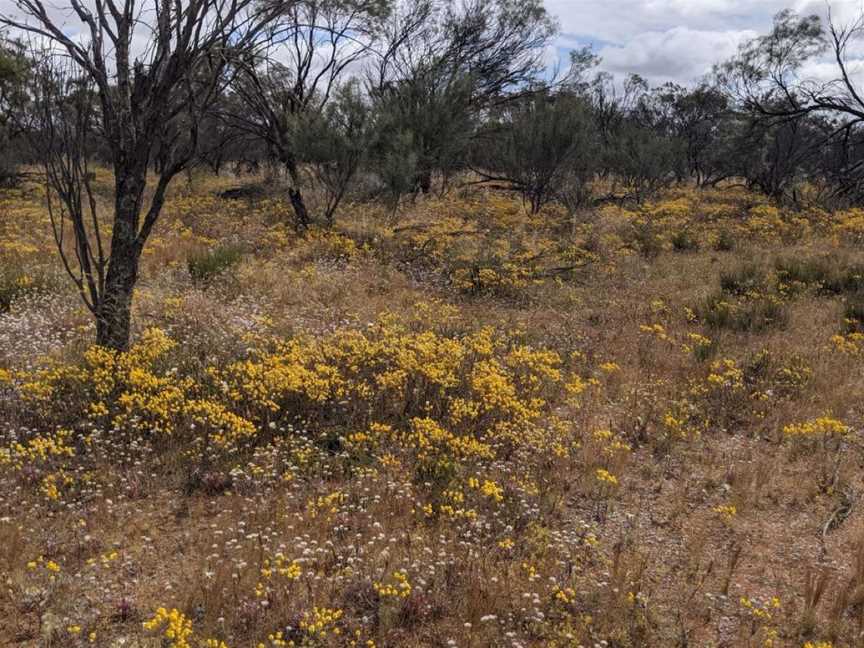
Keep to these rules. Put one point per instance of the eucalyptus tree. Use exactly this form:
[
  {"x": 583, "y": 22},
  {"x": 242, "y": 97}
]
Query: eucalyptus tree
[
  {"x": 285, "y": 87},
  {"x": 14, "y": 71},
  {"x": 443, "y": 67},
  {"x": 153, "y": 67},
  {"x": 807, "y": 126}
]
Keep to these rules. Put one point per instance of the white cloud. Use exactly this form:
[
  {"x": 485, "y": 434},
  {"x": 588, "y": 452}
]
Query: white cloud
[
  {"x": 681, "y": 54},
  {"x": 662, "y": 40},
  {"x": 675, "y": 40}
]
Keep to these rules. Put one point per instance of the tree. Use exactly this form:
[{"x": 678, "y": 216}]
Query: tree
[
  {"x": 698, "y": 117},
  {"x": 309, "y": 49},
  {"x": 335, "y": 142},
  {"x": 150, "y": 104},
  {"x": 14, "y": 70},
  {"x": 812, "y": 125},
  {"x": 638, "y": 142},
  {"x": 542, "y": 142},
  {"x": 444, "y": 67}
]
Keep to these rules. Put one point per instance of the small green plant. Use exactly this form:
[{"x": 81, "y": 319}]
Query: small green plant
[
  {"x": 206, "y": 265},
  {"x": 15, "y": 285},
  {"x": 745, "y": 279},
  {"x": 848, "y": 280},
  {"x": 853, "y": 315},
  {"x": 647, "y": 240},
  {"x": 684, "y": 241},
  {"x": 807, "y": 272},
  {"x": 828, "y": 274},
  {"x": 725, "y": 241},
  {"x": 754, "y": 315}
]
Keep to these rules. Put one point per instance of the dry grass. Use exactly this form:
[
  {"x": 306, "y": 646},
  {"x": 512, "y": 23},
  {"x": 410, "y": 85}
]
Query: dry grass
[{"x": 462, "y": 426}]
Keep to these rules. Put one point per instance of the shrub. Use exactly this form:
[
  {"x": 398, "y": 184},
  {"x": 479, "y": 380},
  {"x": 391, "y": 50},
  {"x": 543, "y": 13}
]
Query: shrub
[
  {"x": 849, "y": 280},
  {"x": 747, "y": 278},
  {"x": 853, "y": 315},
  {"x": 830, "y": 275},
  {"x": 207, "y": 265},
  {"x": 684, "y": 241},
  {"x": 724, "y": 242},
  {"x": 802, "y": 270},
  {"x": 754, "y": 315},
  {"x": 9, "y": 176},
  {"x": 647, "y": 240}
]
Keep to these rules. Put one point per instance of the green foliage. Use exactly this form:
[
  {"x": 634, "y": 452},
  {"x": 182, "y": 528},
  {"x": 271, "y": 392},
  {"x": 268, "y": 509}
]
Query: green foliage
[
  {"x": 853, "y": 314},
  {"x": 645, "y": 160},
  {"x": 829, "y": 275},
  {"x": 206, "y": 265},
  {"x": 335, "y": 142},
  {"x": 742, "y": 280},
  {"x": 397, "y": 165},
  {"x": 540, "y": 145},
  {"x": 684, "y": 241},
  {"x": 13, "y": 101},
  {"x": 725, "y": 241},
  {"x": 423, "y": 128},
  {"x": 753, "y": 315}
]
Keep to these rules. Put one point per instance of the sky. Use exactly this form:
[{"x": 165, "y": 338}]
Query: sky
[
  {"x": 662, "y": 40},
  {"x": 674, "y": 40}
]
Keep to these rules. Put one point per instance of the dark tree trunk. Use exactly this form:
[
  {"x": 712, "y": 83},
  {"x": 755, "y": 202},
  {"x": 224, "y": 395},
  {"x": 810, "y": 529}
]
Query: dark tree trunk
[
  {"x": 114, "y": 310},
  {"x": 114, "y": 313},
  {"x": 424, "y": 181},
  {"x": 301, "y": 215}
]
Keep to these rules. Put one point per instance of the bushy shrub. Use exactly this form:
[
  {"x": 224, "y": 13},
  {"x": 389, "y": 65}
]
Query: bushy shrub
[
  {"x": 744, "y": 279},
  {"x": 853, "y": 315},
  {"x": 684, "y": 241},
  {"x": 724, "y": 241},
  {"x": 204, "y": 266},
  {"x": 753, "y": 314}
]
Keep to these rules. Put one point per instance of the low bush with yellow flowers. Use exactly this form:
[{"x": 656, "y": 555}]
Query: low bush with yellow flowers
[{"x": 452, "y": 424}]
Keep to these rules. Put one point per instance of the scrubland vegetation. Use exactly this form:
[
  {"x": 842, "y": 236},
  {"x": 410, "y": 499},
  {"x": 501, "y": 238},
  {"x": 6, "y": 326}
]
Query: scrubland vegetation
[
  {"x": 340, "y": 323},
  {"x": 467, "y": 426}
]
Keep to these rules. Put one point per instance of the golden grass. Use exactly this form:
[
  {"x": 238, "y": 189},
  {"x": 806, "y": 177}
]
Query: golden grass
[{"x": 461, "y": 425}]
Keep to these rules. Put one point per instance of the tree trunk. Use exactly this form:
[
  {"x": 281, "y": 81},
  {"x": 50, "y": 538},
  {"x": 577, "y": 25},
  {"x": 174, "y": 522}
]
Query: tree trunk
[
  {"x": 424, "y": 181},
  {"x": 301, "y": 215},
  {"x": 113, "y": 313}
]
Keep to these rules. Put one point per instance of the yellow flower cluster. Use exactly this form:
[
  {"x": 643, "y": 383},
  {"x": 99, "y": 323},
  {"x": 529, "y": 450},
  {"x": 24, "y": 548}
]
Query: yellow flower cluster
[
  {"x": 849, "y": 343},
  {"x": 605, "y": 477},
  {"x": 566, "y": 595},
  {"x": 52, "y": 568},
  {"x": 281, "y": 566},
  {"x": 849, "y": 225},
  {"x": 726, "y": 374},
  {"x": 488, "y": 488},
  {"x": 175, "y": 626},
  {"x": 133, "y": 390},
  {"x": 655, "y": 330},
  {"x": 762, "y": 612},
  {"x": 400, "y": 587},
  {"x": 326, "y": 504},
  {"x": 38, "y": 450},
  {"x": 820, "y": 428},
  {"x": 446, "y": 400},
  {"x": 727, "y": 512},
  {"x": 321, "y": 621}
]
